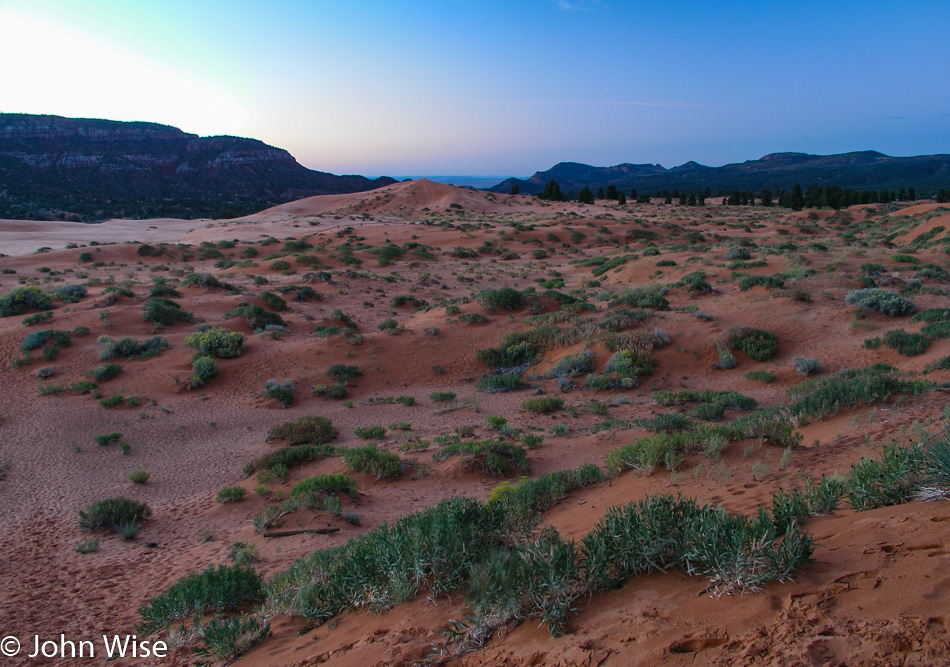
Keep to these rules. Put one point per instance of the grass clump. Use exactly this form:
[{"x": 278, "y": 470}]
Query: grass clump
[
  {"x": 217, "y": 589},
  {"x": 331, "y": 484},
  {"x": 139, "y": 476},
  {"x": 498, "y": 382},
  {"x": 491, "y": 457},
  {"x": 908, "y": 344},
  {"x": 277, "y": 464},
  {"x": 370, "y": 432},
  {"x": 543, "y": 404},
  {"x": 203, "y": 370},
  {"x": 343, "y": 373},
  {"x": 106, "y": 372},
  {"x": 761, "y": 375},
  {"x": 306, "y": 430},
  {"x": 257, "y": 318},
  {"x": 442, "y": 396},
  {"x": 282, "y": 393},
  {"x": 231, "y": 494},
  {"x": 506, "y": 297},
  {"x": 758, "y": 344},
  {"x": 806, "y": 365},
  {"x": 107, "y": 438},
  {"x": 112, "y": 513},
  {"x": 373, "y": 461},
  {"x": 217, "y": 342}
]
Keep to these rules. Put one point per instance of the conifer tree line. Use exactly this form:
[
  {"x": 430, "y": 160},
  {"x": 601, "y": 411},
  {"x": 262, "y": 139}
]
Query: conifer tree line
[{"x": 816, "y": 196}]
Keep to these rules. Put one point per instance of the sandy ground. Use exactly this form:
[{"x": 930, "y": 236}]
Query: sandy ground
[{"x": 876, "y": 593}]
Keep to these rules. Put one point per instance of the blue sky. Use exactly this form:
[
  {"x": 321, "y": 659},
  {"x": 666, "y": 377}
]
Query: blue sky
[{"x": 500, "y": 88}]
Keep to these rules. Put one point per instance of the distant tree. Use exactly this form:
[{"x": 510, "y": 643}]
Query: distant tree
[
  {"x": 600, "y": 193},
  {"x": 669, "y": 199},
  {"x": 911, "y": 194},
  {"x": 683, "y": 198},
  {"x": 902, "y": 195},
  {"x": 691, "y": 199},
  {"x": 612, "y": 192},
  {"x": 633, "y": 194},
  {"x": 766, "y": 197},
  {"x": 552, "y": 191},
  {"x": 585, "y": 196},
  {"x": 621, "y": 198},
  {"x": 797, "y": 200},
  {"x": 643, "y": 199},
  {"x": 515, "y": 190}
]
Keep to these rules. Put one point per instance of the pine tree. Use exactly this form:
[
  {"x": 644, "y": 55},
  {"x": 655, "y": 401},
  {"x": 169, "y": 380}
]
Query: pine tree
[
  {"x": 612, "y": 192},
  {"x": 621, "y": 198},
  {"x": 515, "y": 190},
  {"x": 797, "y": 200},
  {"x": 585, "y": 196},
  {"x": 552, "y": 191},
  {"x": 600, "y": 193},
  {"x": 766, "y": 197},
  {"x": 633, "y": 194}
]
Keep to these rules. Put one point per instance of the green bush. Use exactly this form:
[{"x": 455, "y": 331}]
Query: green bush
[
  {"x": 771, "y": 282},
  {"x": 737, "y": 252},
  {"x": 130, "y": 348},
  {"x": 257, "y": 318},
  {"x": 48, "y": 338},
  {"x": 879, "y": 300},
  {"x": 217, "y": 342},
  {"x": 70, "y": 293},
  {"x": 325, "y": 483},
  {"x": 543, "y": 404},
  {"x": 442, "y": 396},
  {"x": 106, "y": 372},
  {"x": 217, "y": 589},
  {"x": 20, "y": 299},
  {"x": 273, "y": 301},
  {"x": 505, "y": 297},
  {"x": 573, "y": 365},
  {"x": 283, "y": 393},
  {"x": 37, "y": 318},
  {"x": 203, "y": 370},
  {"x": 343, "y": 373},
  {"x": 107, "y": 438},
  {"x": 139, "y": 476},
  {"x": 372, "y": 461},
  {"x": 112, "y": 513},
  {"x": 306, "y": 430},
  {"x": 760, "y": 375},
  {"x": 231, "y": 494},
  {"x": 495, "y": 383},
  {"x": 289, "y": 457},
  {"x": 889, "y": 480},
  {"x": 491, "y": 457},
  {"x": 164, "y": 312},
  {"x": 758, "y": 344},
  {"x": 908, "y": 344},
  {"x": 370, "y": 432}
]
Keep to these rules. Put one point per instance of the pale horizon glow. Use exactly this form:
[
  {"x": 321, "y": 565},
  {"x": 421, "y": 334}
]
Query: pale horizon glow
[{"x": 426, "y": 87}]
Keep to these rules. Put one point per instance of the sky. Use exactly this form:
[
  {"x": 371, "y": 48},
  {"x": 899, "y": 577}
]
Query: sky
[{"x": 406, "y": 87}]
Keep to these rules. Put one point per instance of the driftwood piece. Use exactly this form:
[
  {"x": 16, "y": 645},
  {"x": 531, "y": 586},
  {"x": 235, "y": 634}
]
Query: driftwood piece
[{"x": 311, "y": 531}]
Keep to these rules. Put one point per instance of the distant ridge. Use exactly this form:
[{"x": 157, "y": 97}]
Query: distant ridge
[
  {"x": 87, "y": 169},
  {"x": 864, "y": 170}
]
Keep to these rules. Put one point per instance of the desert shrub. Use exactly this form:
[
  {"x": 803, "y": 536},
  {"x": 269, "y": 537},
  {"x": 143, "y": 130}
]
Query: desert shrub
[
  {"x": 48, "y": 338},
  {"x": 495, "y": 383},
  {"x": 543, "y": 404},
  {"x": 442, "y": 396},
  {"x": 573, "y": 365},
  {"x": 370, "y": 432},
  {"x": 20, "y": 299},
  {"x": 905, "y": 259},
  {"x": 505, "y": 297},
  {"x": 217, "y": 342},
  {"x": 373, "y": 461},
  {"x": 932, "y": 315},
  {"x": 620, "y": 319},
  {"x": 645, "y": 454},
  {"x": 70, "y": 293},
  {"x": 737, "y": 252},
  {"x": 908, "y": 344},
  {"x": 112, "y": 513},
  {"x": 306, "y": 430},
  {"x": 472, "y": 318},
  {"x": 139, "y": 476},
  {"x": 888, "y": 480},
  {"x": 325, "y": 483},
  {"x": 771, "y": 282},
  {"x": 231, "y": 494},
  {"x": 459, "y": 252},
  {"x": 649, "y": 296},
  {"x": 257, "y": 318},
  {"x": 203, "y": 370},
  {"x": 226, "y": 639},
  {"x": 937, "y": 330},
  {"x": 806, "y": 365},
  {"x": 113, "y": 401},
  {"x": 508, "y": 356},
  {"x": 164, "y": 312},
  {"x": 88, "y": 546},
  {"x": 760, "y": 375},
  {"x": 336, "y": 391},
  {"x": 284, "y": 459},
  {"x": 343, "y": 373},
  {"x": 216, "y": 589},
  {"x": 666, "y": 422},
  {"x": 794, "y": 294},
  {"x": 273, "y": 301},
  {"x": 37, "y": 318},
  {"x": 130, "y": 348},
  {"x": 491, "y": 457},
  {"x": 106, "y": 372},
  {"x": 879, "y": 300},
  {"x": 282, "y": 393},
  {"x": 825, "y": 395},
  {"x": 107, "y": 438},
  {"x": 758, "y": 344},
  {"x": 695, "y": 283},
  {"x": 727, "y": 360}
]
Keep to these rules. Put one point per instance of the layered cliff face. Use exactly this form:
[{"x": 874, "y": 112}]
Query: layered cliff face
[{"x": 54, "y": 167}]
